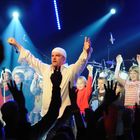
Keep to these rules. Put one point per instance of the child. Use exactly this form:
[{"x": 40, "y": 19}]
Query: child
[
  {"x": 132, "y": 85},
  {"x": 132, "y": 93},
  {"x": 84, "y": 88},
  {"x": 98, "y": 94}
]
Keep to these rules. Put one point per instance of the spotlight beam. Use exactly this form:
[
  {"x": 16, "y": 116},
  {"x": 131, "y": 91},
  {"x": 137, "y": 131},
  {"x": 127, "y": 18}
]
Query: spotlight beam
[{"x": 15, "y": 15}]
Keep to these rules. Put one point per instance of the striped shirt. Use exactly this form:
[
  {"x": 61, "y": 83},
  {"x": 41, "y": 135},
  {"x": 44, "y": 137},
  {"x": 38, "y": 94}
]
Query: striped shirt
[{"x": 132, "y": 93}]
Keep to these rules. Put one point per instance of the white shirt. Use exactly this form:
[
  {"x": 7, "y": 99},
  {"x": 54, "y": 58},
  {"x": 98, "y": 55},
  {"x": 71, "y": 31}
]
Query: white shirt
[{"x": 69, "y": 73}]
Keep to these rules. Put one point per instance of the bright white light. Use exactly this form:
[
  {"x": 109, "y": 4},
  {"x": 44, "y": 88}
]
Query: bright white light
[
  {"x": 57, "y": 15},
  {"x": 113, "y": 11},
  {"x": 15, "y": 15}
]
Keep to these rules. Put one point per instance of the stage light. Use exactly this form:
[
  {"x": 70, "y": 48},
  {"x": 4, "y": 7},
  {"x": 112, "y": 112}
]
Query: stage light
[
  {"x": 57, "y": 15},
  {"x": 15, "y": 14},
  {"x": 113, "y": 11}
]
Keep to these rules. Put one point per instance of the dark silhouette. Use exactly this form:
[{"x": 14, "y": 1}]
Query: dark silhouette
[
  {"x": 22, "y": 129},
  {"x": 136, "y": 124},
  {"x": 1, "y": 130},
  {"x": 95, "y": 120}
]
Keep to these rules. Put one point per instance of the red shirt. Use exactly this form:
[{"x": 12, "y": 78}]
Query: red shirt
[{"x": 83, "y": 95}]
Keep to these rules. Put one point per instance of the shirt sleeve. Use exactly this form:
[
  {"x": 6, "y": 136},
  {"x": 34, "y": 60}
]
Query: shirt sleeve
[
  {"x": 34, "y": 87},
  {"x": 32, "y": 60},
  {"x": 89, "y": 86},
  {"x": 80, "y": 64}
]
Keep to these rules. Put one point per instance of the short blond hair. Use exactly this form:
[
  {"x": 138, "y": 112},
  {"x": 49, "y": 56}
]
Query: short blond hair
[
  {"x": 82, "y": 78},
  {"x": 134, "y": 68}
]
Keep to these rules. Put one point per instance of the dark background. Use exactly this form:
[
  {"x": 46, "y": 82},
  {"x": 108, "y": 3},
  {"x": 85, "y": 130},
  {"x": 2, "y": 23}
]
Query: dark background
[{"x": 38, "y": 19}]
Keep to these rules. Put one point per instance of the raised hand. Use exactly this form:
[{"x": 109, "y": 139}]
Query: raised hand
[
  {"x": 138, "y": 59},
  {"x": 12, "y": 41},
  {"x": 87, "y": 44},
  {"x": 17, "y": 93},
  {"x": 110, "y": 93},
  {"x": 119, "y": 59},
  {"x": 90, "y": 67},
  {"x": 73, "y": 96},
  {"x": 56, "y": 77}
]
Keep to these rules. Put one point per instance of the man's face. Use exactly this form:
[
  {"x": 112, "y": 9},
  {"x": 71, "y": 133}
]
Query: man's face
[{"x": 57, "y": 59}]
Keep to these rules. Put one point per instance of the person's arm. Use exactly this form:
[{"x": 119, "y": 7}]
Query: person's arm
[
  {"x": 80, "y": 64},
  {"x": 47, "y": 121},
  {"x": 119, "y": 61},
  {"x": 19, "y": 98},
  {"x": 138, "y": 60},
  {"x": 26, "y": 54},
  {"x": 109, "y": 98},
  {"x": 14, "y": 43},
  {"x": 35, "y": 87},
  {"x": 89, "y": 81},
  {"x": 110, "y": 93}
]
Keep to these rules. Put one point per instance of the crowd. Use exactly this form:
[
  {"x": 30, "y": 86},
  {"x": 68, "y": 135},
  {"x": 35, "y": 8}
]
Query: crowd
[{"x": 61, "y": 104}]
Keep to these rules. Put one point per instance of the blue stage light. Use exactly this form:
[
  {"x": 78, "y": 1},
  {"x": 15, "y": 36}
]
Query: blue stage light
[
  {"x": 15, "y": 14},
  {"x": 113, "y": 11},
  {"x": 57, "y": 15}
]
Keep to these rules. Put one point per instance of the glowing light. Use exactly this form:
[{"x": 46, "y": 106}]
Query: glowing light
[
  {"x": 113, "y": 11},
  {"x": 57, "y": 15},
  {"x": 15, "y": 15}
]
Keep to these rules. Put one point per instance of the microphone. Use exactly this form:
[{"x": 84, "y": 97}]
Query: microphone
[
  {"x": 16, "y": 50},
  {"x": 14, "y": 47}
]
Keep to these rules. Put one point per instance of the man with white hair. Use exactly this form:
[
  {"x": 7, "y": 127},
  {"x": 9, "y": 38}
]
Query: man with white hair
[{"x": 58, "y": 59}]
